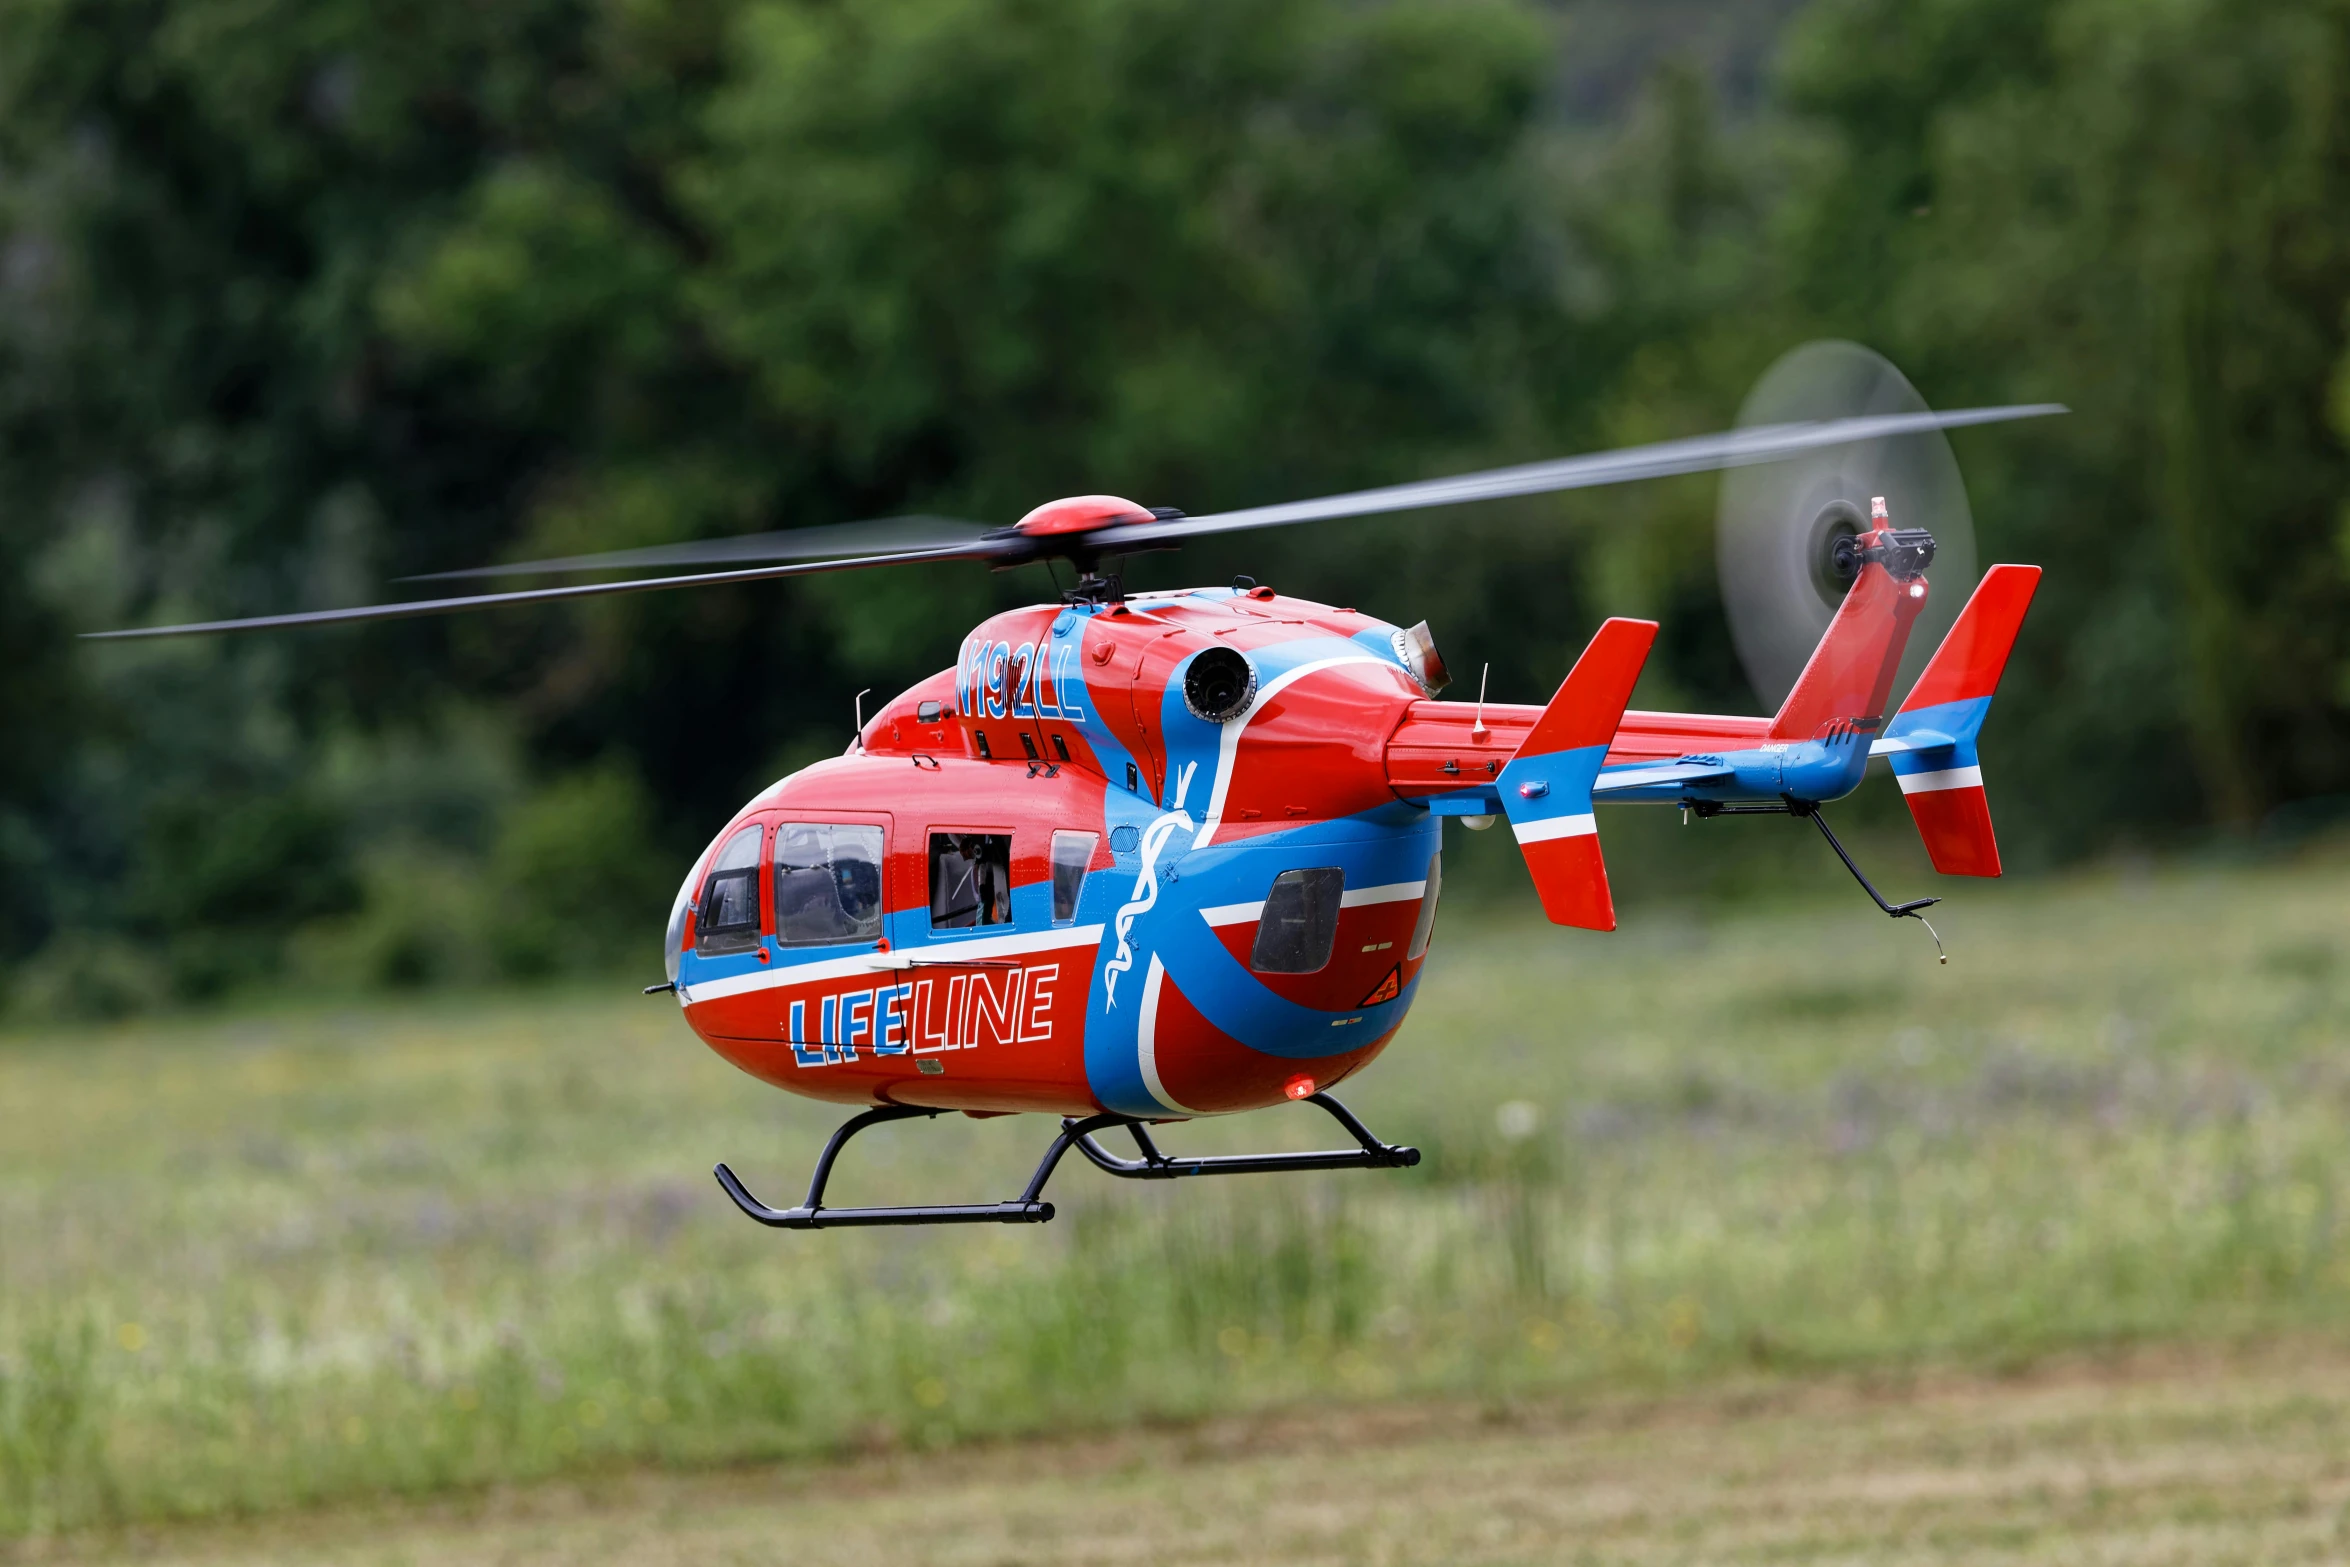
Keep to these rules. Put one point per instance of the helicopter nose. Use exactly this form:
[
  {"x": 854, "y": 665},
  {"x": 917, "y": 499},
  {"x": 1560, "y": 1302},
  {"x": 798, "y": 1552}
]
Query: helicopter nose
[{"x": 673, "y": 945}]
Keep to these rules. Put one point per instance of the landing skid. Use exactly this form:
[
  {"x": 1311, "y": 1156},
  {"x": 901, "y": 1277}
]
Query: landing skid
[
  {"x": 1078, "y": 1133},
  {"x": 1912, "y": 910}
]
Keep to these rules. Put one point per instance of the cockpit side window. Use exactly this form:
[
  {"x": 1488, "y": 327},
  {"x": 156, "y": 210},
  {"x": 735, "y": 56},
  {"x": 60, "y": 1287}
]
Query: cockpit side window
[
  {"x": 1072, "y": 853},
  {"x": 1299, "y": 924},
  {"x": 727, "y": 917},
  {"x": 970, "y": 879},
  {"x": 1425, "y": 926},
  {"x": 827, "y": 883}
]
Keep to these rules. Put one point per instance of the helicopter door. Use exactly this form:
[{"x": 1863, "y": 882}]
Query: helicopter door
[{"x": 828, "y": 880}]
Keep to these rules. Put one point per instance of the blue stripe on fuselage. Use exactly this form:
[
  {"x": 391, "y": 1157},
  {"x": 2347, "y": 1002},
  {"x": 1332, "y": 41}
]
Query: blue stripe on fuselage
[{"x": 1378, "y": 848}]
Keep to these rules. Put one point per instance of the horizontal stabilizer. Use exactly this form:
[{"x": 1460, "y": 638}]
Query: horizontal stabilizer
[
  {"x": 1624, "y": 778},
  {"x": 1546, "y": 789}
]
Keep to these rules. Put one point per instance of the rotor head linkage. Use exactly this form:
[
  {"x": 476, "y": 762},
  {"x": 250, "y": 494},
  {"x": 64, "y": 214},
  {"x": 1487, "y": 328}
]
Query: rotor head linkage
[{"x": 1905, "y": 553}]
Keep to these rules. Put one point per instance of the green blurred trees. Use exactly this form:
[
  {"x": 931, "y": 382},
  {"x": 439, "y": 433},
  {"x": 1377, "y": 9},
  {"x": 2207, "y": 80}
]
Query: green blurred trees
[
  {"x": 296, "y": 298},
  {"x": 2143, "y": 211}
]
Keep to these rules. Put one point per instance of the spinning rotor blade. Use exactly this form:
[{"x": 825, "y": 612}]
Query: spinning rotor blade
[
  {"x": 989, "y": 550},
  {"x": 886, "y": 536},
  {"x": 1778, "y": 525},
  {"x": 1695, "y": 454},
  {"x": 1087, "y": 544}
]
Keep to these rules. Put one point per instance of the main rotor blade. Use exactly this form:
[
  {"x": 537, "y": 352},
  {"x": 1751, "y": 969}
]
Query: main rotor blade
[
  {"x": 1695, "y": 454},
  {"x": 986, "y": 550},
  {"x": 886, "y": 535}
]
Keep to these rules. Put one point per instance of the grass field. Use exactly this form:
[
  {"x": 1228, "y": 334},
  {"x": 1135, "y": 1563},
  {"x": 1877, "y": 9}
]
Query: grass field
[
  {"x": 334, "y": 1255},
  {"x": 2153, "y": 1461}
]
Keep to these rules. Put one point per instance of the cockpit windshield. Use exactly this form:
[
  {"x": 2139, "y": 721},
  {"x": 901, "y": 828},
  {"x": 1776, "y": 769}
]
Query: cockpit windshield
[
  {"x": 726, "y": 917},
  {"x": 673, "y": 946}
]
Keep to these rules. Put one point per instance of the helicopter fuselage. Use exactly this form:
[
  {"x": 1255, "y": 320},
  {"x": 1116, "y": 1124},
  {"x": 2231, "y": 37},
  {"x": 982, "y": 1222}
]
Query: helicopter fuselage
[
  {"x": 1143, "y": 977},
  {"x": 1178, "y": 854}
]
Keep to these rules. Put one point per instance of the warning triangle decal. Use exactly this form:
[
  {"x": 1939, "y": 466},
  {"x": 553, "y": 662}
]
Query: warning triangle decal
[{"x": 1386, "y": 990}]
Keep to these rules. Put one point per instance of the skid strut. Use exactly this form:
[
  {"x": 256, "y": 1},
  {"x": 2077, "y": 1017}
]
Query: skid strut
[{"x": 1076, "y": 1132}]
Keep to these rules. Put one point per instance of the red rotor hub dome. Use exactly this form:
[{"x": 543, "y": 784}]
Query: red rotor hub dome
[{"x": 1080, "y": 514}]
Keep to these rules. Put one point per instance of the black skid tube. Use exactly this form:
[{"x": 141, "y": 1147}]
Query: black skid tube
[
  {"x": 1076, "y": 1132},
  {"x": 1371, "y": 1154}
]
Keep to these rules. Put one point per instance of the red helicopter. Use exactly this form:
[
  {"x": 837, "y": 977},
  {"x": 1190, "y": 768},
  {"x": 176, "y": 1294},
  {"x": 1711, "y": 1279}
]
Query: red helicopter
[{"x": 1136, "y": 858}]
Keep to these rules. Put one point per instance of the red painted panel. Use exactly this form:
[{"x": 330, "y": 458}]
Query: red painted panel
[
  {"x": 1314, "y": 750},
  {"x": 1003, "y": 1038},
  {"x": 1352, "y": 973},
  {"x": 1956, "y": 825},
  {"x": 1850, "y": 674},
  {"x": 1435, "y": 733},
  {"x": 1571, "y": 877},
  {"x": 1970, "y": 660},
  {"x": 1209, "y": 1071},
  {"x": 1589, "y": 704}
]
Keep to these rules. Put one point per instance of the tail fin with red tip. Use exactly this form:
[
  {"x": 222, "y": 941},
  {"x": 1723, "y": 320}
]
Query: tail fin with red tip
[
  {"x": 1850, "y": 674},
  {"x": 1931, "y": 741},
  {"x": 1546, "y": 788}
]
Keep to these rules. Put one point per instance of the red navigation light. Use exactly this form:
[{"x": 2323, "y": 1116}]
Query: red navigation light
[{"x": 1298, "y": 1087}]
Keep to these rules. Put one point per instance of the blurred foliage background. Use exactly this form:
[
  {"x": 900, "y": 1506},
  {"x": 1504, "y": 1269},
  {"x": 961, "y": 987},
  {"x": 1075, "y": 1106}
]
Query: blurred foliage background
[{"x": 300, "y": 298}]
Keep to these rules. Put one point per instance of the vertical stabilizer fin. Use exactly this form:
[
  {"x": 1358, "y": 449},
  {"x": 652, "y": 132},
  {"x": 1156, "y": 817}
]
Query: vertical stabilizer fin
[
  {"x": 1546, "y": 788},
  {"x": 1931, "y": 741},
  {"x": 1850, "y": 674}
]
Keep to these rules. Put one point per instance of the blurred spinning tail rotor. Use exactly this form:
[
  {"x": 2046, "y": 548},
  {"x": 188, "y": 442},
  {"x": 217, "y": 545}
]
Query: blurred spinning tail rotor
[{"x": 1780, "y": 523}]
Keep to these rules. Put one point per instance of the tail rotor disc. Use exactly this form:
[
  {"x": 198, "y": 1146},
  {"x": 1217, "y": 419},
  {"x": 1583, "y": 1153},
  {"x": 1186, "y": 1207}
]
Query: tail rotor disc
[{"x": 1780, "y": 523}]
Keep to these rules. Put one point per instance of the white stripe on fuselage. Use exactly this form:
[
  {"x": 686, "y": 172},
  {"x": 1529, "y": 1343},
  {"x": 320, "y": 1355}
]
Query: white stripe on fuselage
[
  {"x": 1224, "y": 914},
  {"x": 1146, "y": 1038},
  {"x": 1556, "y": 827},
  {"x": 1948, "y": 778},
  {"x": 968, "y": 949},
  {"x": 1228, "y": 743}
]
